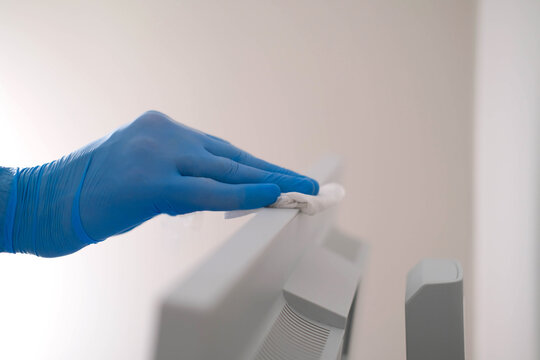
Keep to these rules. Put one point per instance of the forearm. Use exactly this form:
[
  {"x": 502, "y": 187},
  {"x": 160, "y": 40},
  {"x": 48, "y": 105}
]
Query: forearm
[{"x": 7, "y": 176}]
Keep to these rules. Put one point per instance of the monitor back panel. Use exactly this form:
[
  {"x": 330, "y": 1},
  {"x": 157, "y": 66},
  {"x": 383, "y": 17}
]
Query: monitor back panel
[{"x": 229, "y": 305}]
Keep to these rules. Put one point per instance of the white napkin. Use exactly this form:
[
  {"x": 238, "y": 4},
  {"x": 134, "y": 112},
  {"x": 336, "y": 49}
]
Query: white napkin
[{"x": 329, "y": 194}]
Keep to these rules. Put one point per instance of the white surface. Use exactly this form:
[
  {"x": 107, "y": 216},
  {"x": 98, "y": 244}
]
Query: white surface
[{"x": 508, "y": 181}]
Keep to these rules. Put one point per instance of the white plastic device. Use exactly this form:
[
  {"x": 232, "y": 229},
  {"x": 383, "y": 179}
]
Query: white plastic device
[
  {"x": 434, "y": 311},
  {"x": 283, "y": 287}
]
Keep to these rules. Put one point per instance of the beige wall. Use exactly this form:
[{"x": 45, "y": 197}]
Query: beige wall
[{"x": 385, "y": 84}]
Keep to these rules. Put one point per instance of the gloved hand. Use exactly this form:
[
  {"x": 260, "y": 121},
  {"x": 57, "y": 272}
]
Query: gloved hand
[{"x": 153, "y": 165}]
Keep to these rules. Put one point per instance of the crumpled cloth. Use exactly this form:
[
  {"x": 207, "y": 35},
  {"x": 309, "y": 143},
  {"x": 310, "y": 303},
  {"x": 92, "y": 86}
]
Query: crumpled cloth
[{"x": 329, "y": 194}]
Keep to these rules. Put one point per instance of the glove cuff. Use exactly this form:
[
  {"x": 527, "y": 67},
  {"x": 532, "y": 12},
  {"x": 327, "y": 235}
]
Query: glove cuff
[
  {"x": 45, "y": 218},
  {"x": 8, "y": 202}
]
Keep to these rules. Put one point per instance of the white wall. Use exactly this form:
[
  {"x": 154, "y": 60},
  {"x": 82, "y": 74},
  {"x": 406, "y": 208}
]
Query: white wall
[
  {"x": 386, "y": 84},
  {"x": 507, "y": 186}
]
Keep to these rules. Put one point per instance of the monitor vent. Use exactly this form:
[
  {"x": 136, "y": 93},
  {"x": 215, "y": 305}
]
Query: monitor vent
[{"x": 293, "y": 338}]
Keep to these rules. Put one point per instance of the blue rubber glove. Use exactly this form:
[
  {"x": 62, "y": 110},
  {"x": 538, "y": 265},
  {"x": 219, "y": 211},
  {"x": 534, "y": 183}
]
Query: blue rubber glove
[{"x": 153, "y": 165}]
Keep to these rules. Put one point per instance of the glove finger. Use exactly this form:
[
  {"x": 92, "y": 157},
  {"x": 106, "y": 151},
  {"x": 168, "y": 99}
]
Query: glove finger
[
  {"x": 230, "y": 151},
  {"x": 195, "y": 194},
  {"x": 227, "y": 150},
  {"x": 232, "y": 172},
  {"x": 218, "y": 139}
]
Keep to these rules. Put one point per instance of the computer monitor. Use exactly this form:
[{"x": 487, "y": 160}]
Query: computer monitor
[{"x": 284, "y": 286}]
